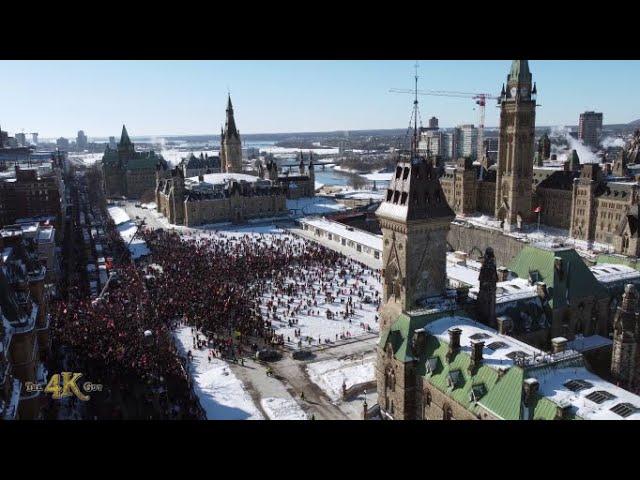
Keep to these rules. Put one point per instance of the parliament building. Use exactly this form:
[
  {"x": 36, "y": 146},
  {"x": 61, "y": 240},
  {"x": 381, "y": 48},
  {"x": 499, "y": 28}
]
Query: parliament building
[{"x": 595, "y": 203}]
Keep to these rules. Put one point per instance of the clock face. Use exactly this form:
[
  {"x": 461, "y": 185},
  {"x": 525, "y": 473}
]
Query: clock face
[{"x": 513, "y": 91}]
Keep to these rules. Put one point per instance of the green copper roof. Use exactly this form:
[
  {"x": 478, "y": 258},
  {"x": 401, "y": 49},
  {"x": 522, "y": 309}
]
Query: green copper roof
[
  {"x": 124, "y": 137},
  {"x": 576, "y": 281},
  {"x": 520, "y": 71}
]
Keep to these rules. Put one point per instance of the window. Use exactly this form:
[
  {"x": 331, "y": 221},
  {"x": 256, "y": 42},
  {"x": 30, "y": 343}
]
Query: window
[
  {"x": 577, "y": 385},
  {"x": 496, "y": 345},
  {"x": 431, "y": 364},
  {"x": 624, "y": 409},
  {"x": 600, "y": 396},
  {"x": 477, "y": 392},
  {"x": 455, "y": 379}
]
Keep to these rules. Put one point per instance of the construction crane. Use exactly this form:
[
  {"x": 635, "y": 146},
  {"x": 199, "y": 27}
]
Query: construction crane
[{"x": 480, "y": 99}]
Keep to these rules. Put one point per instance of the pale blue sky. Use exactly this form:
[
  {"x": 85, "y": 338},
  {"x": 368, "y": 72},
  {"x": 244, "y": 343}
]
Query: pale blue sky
[{"x": 58, "y": 98}]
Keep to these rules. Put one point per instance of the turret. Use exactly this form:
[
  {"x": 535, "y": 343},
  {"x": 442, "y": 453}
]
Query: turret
[
  {"x": 624, "y": 361},
  {"x": 488, "y": 279}
]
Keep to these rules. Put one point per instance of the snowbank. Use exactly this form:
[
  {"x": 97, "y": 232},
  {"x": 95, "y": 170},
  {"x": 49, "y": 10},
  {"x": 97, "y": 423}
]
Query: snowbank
[
  {"x": 221, "y": 394},
  {"x": 282, "y": 409},
  {"x": 329, "y": 375}
]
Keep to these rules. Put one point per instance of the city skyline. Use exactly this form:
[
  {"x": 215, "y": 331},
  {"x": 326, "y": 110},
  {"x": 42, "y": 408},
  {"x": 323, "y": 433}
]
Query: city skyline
[{"x": 161, "y": 98}]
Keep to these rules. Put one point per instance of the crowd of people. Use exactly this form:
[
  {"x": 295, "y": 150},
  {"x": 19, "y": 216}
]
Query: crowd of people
[{"x": 239, "y": 293}]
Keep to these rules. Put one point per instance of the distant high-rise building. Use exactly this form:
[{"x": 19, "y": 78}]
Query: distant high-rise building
[
  {"x": 590, "y": 128},
  {"x": 467, "y": 141},
  {"x": 433, "y": 122},
  {"x": 34, "y": 138},
  {"x": 112, "y": 143},
  {"x": 62, "y": 143},
  {"x": 81, "y": 141},
  {"x": 21, "y": 138}
]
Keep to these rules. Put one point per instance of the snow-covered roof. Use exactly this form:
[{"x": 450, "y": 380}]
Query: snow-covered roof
[
  {"x": 582, "y": 344},
  {"x": 610, "y": 272},
  {"x": 359, "y": 236},
  {"x": 556, "y": 373},
  {"x": 472, "y": 330},
  {"x": 118, "y": 215},
  {"x": 392, "y": 210},
  {"x": 553, "y": 385},
  {"x": 463, "y": 271},
  {"x": 222, "y": 178}
]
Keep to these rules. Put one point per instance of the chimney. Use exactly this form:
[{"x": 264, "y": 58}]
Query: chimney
[
  {"x": 541, "y": 290},
  {"x": 454, "y": 343},
  {"x": 563, "y": 410},
  {"x": 503, "y": 274},
  {"x": 505, "y": 325},
  {"x": 557, "y": 263},
  {"x": 530, "y": 388},
  {"x": 201, "y": 178},
  {"x": 559, "y": 344},
  {"x": 567, "y": 166},
  {"x": 476, "y": 355},
  {"x": 419, "y": 342}
]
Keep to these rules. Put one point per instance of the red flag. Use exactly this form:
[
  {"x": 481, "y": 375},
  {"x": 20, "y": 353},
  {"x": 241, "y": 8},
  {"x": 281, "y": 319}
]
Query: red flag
[{"x": 538, "y": 209}]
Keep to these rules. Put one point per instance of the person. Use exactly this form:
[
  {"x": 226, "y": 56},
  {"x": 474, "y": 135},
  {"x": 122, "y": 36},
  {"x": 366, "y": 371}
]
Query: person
[{"x": 302, "y": 396}]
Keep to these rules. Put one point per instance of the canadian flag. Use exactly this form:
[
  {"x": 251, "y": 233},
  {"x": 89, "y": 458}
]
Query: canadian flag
[{"x": 538, "y": 209}]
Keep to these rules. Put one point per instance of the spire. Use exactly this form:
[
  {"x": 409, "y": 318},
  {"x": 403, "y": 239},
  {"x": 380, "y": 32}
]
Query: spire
[
  {"x": 520, "y": 72},
  {"x": 230, "y": 129},
  {"x": 124, "y": 138}
]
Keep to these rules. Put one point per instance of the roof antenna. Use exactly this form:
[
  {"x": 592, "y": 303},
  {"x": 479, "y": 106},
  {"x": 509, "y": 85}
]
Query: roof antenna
[{"x": 415, "y": 113}]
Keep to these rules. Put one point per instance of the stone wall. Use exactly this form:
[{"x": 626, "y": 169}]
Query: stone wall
[{"x": 474, "y": 241}]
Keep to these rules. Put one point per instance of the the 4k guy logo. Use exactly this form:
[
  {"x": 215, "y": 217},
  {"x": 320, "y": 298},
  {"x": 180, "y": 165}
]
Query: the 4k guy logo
[{"x": 66, "y": 388}]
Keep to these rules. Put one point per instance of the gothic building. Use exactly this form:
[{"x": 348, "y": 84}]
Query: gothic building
[
  {"x": 595, "y": 203},
  {"x": 515, "y": 155},
  {"x": 230, "y": 144},
  {"x": 127, "y": 172},
  {"x": 295, "y": 186},
  {"x": 625, "y": 358},
  {"x": 434, "y": 361},
  {"x": 217, "y": 197},
  {"x": 192, "y": 166}
]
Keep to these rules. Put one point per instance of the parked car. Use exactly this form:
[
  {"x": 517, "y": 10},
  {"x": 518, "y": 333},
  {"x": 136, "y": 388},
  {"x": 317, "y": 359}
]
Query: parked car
[{"x": 268, "y": 355}]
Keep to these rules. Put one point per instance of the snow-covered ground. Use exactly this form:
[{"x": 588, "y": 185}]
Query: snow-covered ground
[
  {"x": 282, "y": 151},
  {"x": 86, "y": 158},
  {"x": 221, "y": 394},
  {"x": 127, "y": 229},
  {"x": 545, "y": 235},
  {"x": 282, "y": 409},
  {"x": 314, "y": 206},
  {"x": 329, "y": 375}
]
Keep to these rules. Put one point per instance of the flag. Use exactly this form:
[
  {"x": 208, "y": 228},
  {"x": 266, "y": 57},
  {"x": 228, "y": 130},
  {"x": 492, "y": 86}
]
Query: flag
[{"x": 538, "y": 209}]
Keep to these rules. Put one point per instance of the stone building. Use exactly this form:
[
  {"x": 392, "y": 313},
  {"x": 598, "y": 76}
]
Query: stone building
[
  {"x": 515, "y": 157},
  {"x": 435, "y": 362},
  {"x": 230, "y": 144},
  {"x": 25, "y": 323},
  {"x": 625, "y": 358},
  {"x": 217, "y": 197},
  {"x": 295, "y": 186},
  {"x": 128, "y": 173},
  {"x": 192, "y": 166},
  {"x": 32, "y": 192}
]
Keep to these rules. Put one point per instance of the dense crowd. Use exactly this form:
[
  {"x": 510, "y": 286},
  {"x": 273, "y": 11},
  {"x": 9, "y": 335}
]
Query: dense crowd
[{"x": 229, "y": 289}]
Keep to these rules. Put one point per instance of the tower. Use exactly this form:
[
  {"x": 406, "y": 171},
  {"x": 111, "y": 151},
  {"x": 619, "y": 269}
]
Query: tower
[
  {"x": 230, "y": 144},
  {"x": 544, "y": 146},
  {"x": 488, "y": 278},
  {"x": 515, "y": 151},
  {"x": 312, "y": 176},
  {"x": 415, "y": 219},
  {"x": 126, "y": 148},
  {"x": 625, "y": 339}
]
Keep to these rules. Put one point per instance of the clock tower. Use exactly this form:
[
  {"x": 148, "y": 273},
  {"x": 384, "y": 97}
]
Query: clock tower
[{"x": 516, "y": 147}]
